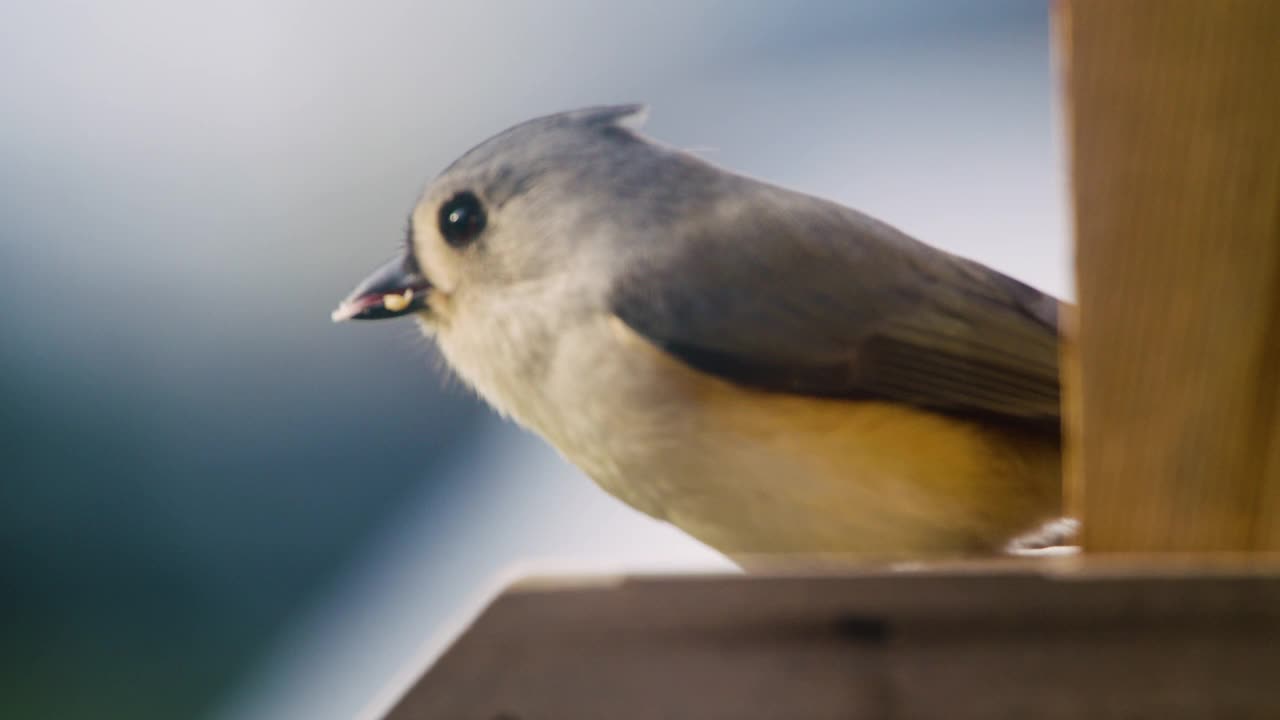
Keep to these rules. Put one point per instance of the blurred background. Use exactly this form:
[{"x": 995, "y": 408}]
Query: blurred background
[{"x": 213, "y": 502}]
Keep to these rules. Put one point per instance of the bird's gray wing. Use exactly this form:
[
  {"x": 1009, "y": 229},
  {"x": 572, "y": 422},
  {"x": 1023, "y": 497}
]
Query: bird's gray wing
[{"x": 788, "y": 293}]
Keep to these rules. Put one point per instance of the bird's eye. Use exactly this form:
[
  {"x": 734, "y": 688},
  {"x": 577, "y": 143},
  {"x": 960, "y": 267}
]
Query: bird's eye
[{"x": 461, "y": 219}]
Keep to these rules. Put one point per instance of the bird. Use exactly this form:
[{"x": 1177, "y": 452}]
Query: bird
[{"x": 776, "y": 374}]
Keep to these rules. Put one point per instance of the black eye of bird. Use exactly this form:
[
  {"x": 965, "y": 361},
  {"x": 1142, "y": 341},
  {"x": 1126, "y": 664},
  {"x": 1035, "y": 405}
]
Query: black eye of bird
[{"x": 461, "y": 219}]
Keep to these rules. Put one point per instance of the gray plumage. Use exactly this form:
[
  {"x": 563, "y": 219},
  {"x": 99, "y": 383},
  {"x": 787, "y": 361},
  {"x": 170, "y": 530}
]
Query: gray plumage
[
  {"x": 821, "y": 299},
  {"x": 834, "y": 303}
]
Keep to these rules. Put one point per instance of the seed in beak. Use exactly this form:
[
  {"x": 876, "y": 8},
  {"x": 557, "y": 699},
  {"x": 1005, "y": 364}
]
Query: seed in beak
[{"x": 396, "y": 303}]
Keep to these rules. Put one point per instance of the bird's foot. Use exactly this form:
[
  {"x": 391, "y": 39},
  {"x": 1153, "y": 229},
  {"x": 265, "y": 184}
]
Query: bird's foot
[{"x": 1053, "y": 538}]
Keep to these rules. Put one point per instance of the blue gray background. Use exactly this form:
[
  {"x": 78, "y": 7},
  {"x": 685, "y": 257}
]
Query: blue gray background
[{"x": 214, "y": 503}]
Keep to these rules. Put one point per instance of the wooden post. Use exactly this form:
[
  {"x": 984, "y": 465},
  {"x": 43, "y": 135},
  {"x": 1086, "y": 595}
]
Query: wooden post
[{"x": 1175, "y": 137}]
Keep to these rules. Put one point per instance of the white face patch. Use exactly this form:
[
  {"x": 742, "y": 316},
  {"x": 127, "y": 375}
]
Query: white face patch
[{"x": 437, "y": 261}]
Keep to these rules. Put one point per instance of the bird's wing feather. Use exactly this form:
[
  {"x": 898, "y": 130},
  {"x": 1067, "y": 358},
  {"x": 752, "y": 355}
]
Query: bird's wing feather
[{"x": 809, "y": 297}]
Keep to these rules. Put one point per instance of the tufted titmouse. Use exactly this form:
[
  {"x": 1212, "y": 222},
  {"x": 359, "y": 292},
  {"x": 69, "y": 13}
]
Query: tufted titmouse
[{"x": 768, "y": 371}]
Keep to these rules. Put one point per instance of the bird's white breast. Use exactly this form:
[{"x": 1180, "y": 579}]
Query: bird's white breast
[{"x": 750, "y": 472}]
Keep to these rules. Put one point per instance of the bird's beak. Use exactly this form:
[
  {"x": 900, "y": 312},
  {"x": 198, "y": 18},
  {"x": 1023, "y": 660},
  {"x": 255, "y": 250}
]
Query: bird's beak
[{"x": 394, "y": 289}]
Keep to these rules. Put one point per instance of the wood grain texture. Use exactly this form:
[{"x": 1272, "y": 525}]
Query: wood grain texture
[
  {"x": 991, "y": 642},
  {"x": 1175, "y": 126}
]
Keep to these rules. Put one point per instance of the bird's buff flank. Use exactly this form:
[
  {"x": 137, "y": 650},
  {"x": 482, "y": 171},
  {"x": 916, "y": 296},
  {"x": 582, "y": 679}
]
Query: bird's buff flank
[{"x": 773, "y": 373}]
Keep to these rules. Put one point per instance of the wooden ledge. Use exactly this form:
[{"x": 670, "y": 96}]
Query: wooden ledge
[{"x": 1065, "y": 638}]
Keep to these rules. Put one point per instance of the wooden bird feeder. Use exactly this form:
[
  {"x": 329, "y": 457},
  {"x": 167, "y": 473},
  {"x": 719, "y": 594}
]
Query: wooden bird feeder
[{"x": 1172, "y": 416}]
